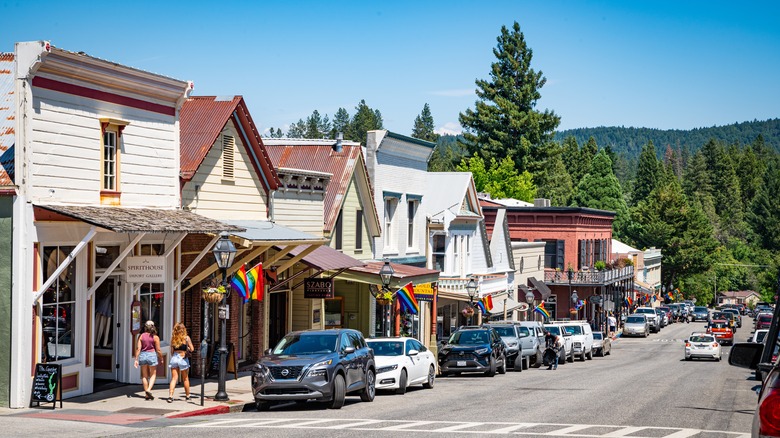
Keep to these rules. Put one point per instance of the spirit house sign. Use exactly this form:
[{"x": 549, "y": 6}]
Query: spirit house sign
[{"x": 146, "y": 269}]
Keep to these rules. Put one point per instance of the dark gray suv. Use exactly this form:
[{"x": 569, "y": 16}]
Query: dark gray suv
[{"x": 322, "y": 365}]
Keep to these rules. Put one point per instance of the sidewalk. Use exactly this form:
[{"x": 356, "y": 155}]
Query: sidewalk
[{"x": 125, "y": 404}]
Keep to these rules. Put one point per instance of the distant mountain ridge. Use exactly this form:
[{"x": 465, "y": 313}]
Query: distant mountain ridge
[{"x": 629, "y": 141}]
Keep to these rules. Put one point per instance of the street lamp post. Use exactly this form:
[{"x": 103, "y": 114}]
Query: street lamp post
[
  {"x": 529, "y": 298},
  {"x": 471, "y": 288},
  {"x": 224, "y": 252},
  {"x": 570, "y": 273},
  {"x": 574, "y": 302},
  {"x": 386, "y": 275}
]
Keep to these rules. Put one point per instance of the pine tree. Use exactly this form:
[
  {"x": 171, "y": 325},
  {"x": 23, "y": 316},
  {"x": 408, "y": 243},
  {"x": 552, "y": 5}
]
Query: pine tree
[
  {"x": 424, "y": 127},
  {"x": 600, "y": 189},
  {"x": 751, "y": 171},
  {"x": 647, "y": 173},
  {"x": 505, "y": 111},
  {"x": 765, "y": 210},
  {"x": 554, "y": 183},
  {"x": 340, "y": 123},
  {"x": 317, "y": 126},
  {"x": 297, "y": 130},
  {"x": 571, "y": 158},
  {"x": 364, "y": 120}
]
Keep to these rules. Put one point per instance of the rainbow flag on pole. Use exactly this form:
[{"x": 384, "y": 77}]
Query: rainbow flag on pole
[
  {"x": 481, "y": 306},
  {"x": 255, "y": 283},
  {"x": 542, "y": 311},
  {"x": 407, "y": 300},
  {"x": 239, "y": 283},
  {"x": 488, "y": 303}
]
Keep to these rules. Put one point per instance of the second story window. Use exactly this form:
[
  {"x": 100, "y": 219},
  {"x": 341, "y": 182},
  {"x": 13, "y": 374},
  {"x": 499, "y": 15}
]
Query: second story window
[
  {"x": 390, "y": 207},
  {"x": 228, "y": 159},
  {"x": 110, "y": 160},
  {"x": 358, "y": 230},
  {"x": 339, "y": 231},
  {"x": 410, "y": 237},
  {"x": 438, "y": 251}
]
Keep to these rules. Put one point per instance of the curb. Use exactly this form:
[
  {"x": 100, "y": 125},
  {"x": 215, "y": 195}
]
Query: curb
[{"x": 213, "y": 410}]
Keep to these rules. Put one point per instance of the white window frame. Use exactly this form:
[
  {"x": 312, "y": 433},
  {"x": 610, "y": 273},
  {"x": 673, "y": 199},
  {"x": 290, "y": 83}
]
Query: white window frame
[
  {"x": 109, "y": 165},
  {"x": 391, "y": 208},
  {"x": 411, "y": 237}
]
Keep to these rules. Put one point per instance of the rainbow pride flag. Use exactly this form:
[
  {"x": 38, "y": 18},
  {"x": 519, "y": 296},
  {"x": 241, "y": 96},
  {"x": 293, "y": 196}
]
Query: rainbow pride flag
[
  {"x": 488, "y": 302},
  {"x": 671, "y": 295},
  {"x": 407, "y": 300},
  {"x": 481, "y": 306},
  {"x": 239, "y": 282},
  {"x": 255, "y": 283},
  {"x": 542, "y": 311},
  {"x": 628, "y": 302}
]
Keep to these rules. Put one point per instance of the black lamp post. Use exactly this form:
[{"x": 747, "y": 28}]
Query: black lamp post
[
  {"x": 570, "y": 273},
  {"x": 386, "y": 274},
  {"x": 471, "y": 288},
  {"x": 529, "y": 298},
  {"x": 224, "y": 252},
  {"x": 573, "y": 303}
]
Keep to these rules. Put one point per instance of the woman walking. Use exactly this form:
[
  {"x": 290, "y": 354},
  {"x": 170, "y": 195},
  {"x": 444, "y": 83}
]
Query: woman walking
[
  {"x": 147, "y": 353},
  {"x": 181, "y": 344}
]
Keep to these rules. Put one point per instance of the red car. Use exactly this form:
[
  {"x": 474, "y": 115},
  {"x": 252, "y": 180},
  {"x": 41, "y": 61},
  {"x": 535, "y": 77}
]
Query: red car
[
  {"x": 763, "y": 321},
  {"x": 722, "y": 332}
]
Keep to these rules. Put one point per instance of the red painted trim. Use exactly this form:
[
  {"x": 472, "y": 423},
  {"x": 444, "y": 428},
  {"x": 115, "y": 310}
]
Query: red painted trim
[{"x": 77, "y": 90}]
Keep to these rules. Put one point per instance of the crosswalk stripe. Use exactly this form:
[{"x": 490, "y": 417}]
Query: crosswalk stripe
[
  {"x": 406, "y": 425},
  {"x": 567, "y": 430},
  {"x": 623, "y": 432},
  {"x": 358, "y": 424},
  {"x": 512, "y": 428},
  {"x": 684, "y": 433},
  {"x": 457, "y": 427}
]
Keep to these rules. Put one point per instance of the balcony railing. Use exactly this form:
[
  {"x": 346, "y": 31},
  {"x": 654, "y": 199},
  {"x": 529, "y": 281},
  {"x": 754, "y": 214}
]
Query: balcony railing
[
  {"x": 590, "y": 277},
  {"x": 488, "y": 284}
]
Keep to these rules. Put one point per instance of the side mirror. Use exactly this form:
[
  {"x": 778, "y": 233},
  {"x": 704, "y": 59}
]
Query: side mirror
[
  {"x": 269, "y": 351},
  {"x": 413, "y": 353},
  {"x": 746, "y": 355},
  {"x": 348, "y": 350}
]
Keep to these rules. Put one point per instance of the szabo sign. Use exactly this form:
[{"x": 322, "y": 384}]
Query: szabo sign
[
  {"x": 318, "y": 288},
  {"x": 146, "y": 269}
]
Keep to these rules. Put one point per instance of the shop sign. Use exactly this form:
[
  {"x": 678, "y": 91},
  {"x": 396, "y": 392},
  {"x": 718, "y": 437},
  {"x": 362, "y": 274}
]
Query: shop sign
[
  {"x": 146, "y": 269},
  {"x": 318, "y": 288},
  {"x": 425, "y": 292}
]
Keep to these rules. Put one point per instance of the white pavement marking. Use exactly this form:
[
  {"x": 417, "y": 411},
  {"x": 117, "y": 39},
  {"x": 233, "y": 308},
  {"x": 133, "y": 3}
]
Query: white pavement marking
[
  {"x": 568, "y": 430},
  {"x": 265, "y": 423},
  {"x": 684, "y": 433},
  {"x": 355, "y": 424},
  {"x": 309, "y": 423},
  {"x": 623, "y": 432},
  {"x": 214, "y": 423},
  {"x": 406, "y": 425},
  {"x": 509, "y": 429},
  {"x": 457, "y": 427}
]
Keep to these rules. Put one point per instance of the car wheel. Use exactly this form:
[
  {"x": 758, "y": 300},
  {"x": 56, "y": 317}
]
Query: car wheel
[
  {"x": 539, "y": 360},
  {"x": 368, "y": 393},
  {"x": 491, "y": 368},
  {"x": 570, "y": 359},
  {"x": 688, "y": 358},
  {"x": 262, "y": 406},
  {"x": 402, "y": 381},
  {"x": 502, "y": 368},
  {"x": 339, "y": 392},
  {"x": 525, "y": 363},
  {"x": 431, "y": 378},
  {"x": 518, "y": 366},
  {"x": 590, "y": 355},
  {"x": 582, "y": 357}
]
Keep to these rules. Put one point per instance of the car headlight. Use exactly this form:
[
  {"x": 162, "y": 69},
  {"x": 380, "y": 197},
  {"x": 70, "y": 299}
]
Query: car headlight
[
  {"x": 386, "y": 369},
  {"x": 511, "y": 344},
  {"x": 444, "y": 351},
  {"x": 324, "y": 363},
  {"x": 481, "y": 350}
]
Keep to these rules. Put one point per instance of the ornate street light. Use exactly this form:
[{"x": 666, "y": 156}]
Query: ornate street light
[
  {"x": 224, "y": 253},
  {"x": 529, "y": 298},
  {"x": 471, "y": 288},
  {"x": 386, "y": 275}
]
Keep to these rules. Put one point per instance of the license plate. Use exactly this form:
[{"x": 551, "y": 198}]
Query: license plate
[
  {"x": 700, "y": 345},
  {"x": 461, "y": 363}
]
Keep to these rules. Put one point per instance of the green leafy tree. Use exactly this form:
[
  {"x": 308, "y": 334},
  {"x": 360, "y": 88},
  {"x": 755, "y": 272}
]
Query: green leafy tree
[
  {"x": 423, "y": 126},
  {"x": 505, "y": 112},
  {"x": 600, "y": 189},
  {"x": 500, "y": 179},
  {"x": 647, "y": 173},
  {"x": 364, "y": 120}
]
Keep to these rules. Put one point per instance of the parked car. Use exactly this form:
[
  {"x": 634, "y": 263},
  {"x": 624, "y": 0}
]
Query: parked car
[
  {"x": 402, "y": 362},
  {"x": 473, "y": 350},
  {"x": 581, "y": 338},
  {"x": 510, "y": 334},
  {"x": 661, "y": 316},
  {"x": 679, "y": 311},
  {"x": 637, "y": 325},
  {"x": 653, "y": 318},
  {"x": 703, "y": 346},
  {"x": 759, "y": 336},
  {"x": 763, "y": 321},
  {"x": 721, "y": 330},
  {"x": 735, "y": 316},
  {"x": 323, "y": 365},
  {"x": 700, "y": 313},
  {"x": 567, "y": 354},
  {"x": 602, "y": 345},
  {"x": 721, "y": 315},
  {"x": 668, "y": 314},
  {"x": 532, "y": 339}
]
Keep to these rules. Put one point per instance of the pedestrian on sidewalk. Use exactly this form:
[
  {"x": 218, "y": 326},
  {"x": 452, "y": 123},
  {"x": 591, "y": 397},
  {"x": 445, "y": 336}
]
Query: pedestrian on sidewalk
[
  {"x": 612, "y": 324},
  {"x": 147, "y": 354},
  {"x": 181, "y": 347}
]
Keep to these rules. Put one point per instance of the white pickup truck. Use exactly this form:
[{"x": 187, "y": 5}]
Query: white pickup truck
[{"x": 567, "y": 355}]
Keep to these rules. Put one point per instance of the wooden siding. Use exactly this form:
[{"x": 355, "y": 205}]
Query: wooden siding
[
  {"x": 356, "y": 304},
  {"x": 301, "y": 310},
  {"x": 66, "y": 152},
  {"x": 239, "y": 198},
  {"x": 352, "y": 203},
  {"x": 300, "y": 211}
]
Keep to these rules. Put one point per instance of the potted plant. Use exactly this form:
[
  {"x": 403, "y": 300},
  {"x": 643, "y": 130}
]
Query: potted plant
[
  {"x": 214, "y": 294},
  {"x": 468, "y": 311},
  {"x": 384, "y": 298},
  {"x": 600, "y": 265}
]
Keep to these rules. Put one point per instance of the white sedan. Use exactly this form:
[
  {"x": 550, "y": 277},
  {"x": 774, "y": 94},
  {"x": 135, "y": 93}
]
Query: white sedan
[
  {"x": 702, "y": 345},
  {"x": 402, "y": 362}
]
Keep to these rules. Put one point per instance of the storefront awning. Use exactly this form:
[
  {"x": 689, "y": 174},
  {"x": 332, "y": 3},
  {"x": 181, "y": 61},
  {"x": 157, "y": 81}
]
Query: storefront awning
[
  {"x": 403, "y": 274},
  {"x": 498, "y": 306},
  {"x": 541, "y": 292},
  {"x": 134, "y": 220},
  {"x": 270, "y": 233}
]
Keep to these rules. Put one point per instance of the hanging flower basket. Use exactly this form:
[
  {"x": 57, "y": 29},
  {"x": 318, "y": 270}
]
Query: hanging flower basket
[
  {"x": 468, "y": 312},
  {"x": 214, "y": 294},
  {"x": 383, "y": 302},
  {"x": 384, "y": 298}
]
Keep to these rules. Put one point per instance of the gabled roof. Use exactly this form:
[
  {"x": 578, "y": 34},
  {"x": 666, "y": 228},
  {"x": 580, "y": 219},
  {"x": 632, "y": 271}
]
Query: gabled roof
[
  {"x": 7, "y": 119},
  {"x": 448, "y": 191},
  {"x": 202, "y": 120},
  {"x": 319, "y": 156},
  {"x": 619, "y": 247}
]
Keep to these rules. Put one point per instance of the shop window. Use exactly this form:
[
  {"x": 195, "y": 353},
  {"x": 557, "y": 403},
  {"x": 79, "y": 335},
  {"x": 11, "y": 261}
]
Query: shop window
[
  {"x": 334, "y": 312},
  {"x": 59, "y": 304},
  {"x": 152, "y": 297}
]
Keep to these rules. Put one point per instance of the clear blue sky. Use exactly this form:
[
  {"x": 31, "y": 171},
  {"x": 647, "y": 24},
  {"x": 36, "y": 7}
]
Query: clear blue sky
[{"x": 657, "y": 64}]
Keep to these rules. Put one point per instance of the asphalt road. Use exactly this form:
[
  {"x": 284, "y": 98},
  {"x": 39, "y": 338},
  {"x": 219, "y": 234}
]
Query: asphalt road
[{"x": 644, "y": 389}]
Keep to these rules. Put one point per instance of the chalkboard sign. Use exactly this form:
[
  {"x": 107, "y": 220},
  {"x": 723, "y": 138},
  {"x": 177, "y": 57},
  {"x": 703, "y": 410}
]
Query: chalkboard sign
[
  {"x": 47, "y": 385},
  {"x": 230, "y": 361}
]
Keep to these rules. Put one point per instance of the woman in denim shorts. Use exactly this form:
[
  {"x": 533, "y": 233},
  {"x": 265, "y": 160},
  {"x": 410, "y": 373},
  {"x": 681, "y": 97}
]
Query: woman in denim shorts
[
  {"x": 181, "y": 344},
  {"x": 147, "y": 353}
]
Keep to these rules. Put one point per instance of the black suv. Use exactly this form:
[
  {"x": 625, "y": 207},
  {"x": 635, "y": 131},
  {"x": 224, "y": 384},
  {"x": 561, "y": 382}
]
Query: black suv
[
  {"x": 323, "y": 365},
  {"x": 473, "y": 349}
]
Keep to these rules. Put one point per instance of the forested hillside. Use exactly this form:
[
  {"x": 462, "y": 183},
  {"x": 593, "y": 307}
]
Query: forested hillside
[{"x": 629, "y": 141}]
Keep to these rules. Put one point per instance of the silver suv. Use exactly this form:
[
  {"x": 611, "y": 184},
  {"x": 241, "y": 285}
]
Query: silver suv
[
  {"x": 511, "y": 336},
  {"x": 652, "y": 317}
]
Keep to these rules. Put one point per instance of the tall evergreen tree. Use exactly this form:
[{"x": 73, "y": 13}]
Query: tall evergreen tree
[
  {"x": 765, "y": 210},
  {"x": 423, "y": 126},
  {"x": 571, "y": 158},
  {"x": 297, "y": 129},
  {"x": 697, "y": 184},
  {"x": 364, "y": 120},
  {"x": 751, "y": 171},
  {"x": 726, "y": 192},
  {"x": 587, "y": 153},
  {"x": 554, "y": 182},
  {"x": 340, "y": 123},
  {"x": 647, "y": 173},
  {"x": 600, "y": 189},
  {"x": 317, "y": 126},
  {"x": 505, "y": 111}
]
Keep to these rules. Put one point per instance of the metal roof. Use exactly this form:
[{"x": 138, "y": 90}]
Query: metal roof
[
  {"x": 402, "y": 274},
  {"x": 136, "y": 220},
  {"x": 7, "y": 118},
  {"x": 269, "y": 231},
  {"x": 446, "y": 191},
  {"x": 326, "y": 258},
  {"x": 319, "y": 156},
  {"x": 202, "y": 120}
]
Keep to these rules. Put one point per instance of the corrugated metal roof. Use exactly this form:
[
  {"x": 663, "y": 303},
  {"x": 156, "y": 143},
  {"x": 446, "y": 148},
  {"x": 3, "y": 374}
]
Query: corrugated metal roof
[
  {"x": 265, "y": 230},
  {"x": 326, "y": 258},
  {"x": 401, "y": 272},
  {"x": 319, "y": 156},
  {"x": 202, "y": 119},
  {"x": 7, "y": 118}
]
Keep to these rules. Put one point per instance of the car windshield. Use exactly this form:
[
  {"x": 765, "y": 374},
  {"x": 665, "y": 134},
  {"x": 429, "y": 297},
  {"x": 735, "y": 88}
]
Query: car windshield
[
  {"x": 306, "y": 343},
  {"x": 765, "y": 318},
  {"x": 553, "y": 330},
  {"x": 469, "y": 337},
  {"x": 699, "y": 309},
  {"x": 573, "y": 329},
  {"x": 635, "y": 320},
  {"x": 645, "y": 311},
  {"x": 760, "y": 337},
  {"x": 387, "y": 348},
  {"x": 597, "y": 335},
  {"x": 702, "y": 339},
  {"x": 506, "y": 332}
]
